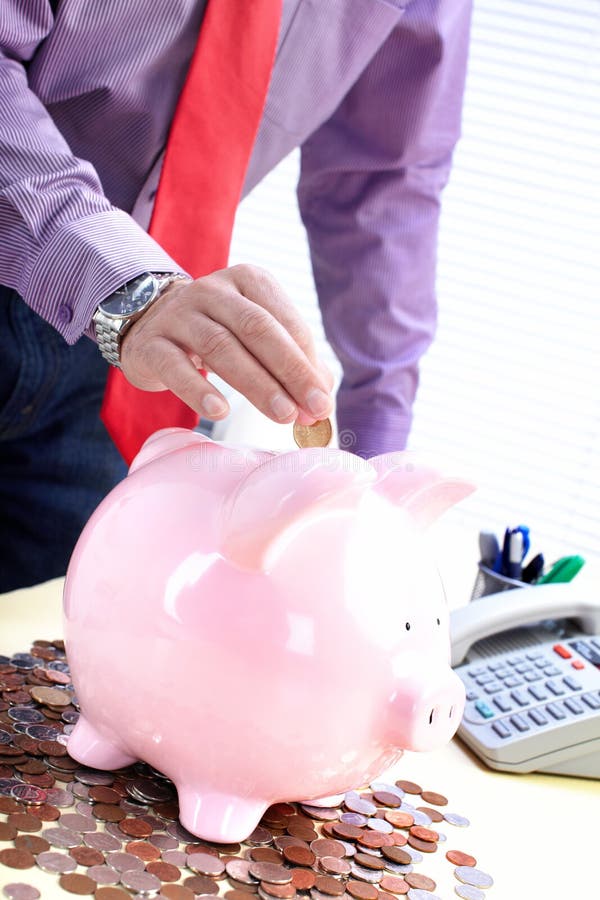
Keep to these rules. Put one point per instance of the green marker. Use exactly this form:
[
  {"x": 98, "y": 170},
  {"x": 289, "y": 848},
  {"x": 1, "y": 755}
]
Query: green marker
[{"x": 564, "y": 569}]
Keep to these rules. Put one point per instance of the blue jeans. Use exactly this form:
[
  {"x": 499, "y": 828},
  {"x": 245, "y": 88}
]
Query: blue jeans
[{"x": 57, "y": 460}]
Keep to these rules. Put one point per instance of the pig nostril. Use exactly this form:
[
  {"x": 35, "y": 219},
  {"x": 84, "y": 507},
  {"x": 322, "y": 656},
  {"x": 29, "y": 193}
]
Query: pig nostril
[
  {"x": 451, "y": 711},
  {"x": 431, "y": 717}
]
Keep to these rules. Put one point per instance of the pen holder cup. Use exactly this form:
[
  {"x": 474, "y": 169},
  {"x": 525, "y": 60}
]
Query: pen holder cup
[{"x": 490, "y": 582}]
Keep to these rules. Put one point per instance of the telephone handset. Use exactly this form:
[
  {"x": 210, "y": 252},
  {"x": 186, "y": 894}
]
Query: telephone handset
[{"x": 530, "y": 662}]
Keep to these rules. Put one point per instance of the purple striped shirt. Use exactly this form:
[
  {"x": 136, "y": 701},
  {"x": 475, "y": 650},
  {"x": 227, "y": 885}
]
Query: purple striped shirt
[{"x": 370, "y": 90}]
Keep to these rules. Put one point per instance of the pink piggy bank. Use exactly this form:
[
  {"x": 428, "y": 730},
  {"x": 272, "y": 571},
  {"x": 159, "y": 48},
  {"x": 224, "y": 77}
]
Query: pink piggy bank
[{"x": 259, "y": 627}]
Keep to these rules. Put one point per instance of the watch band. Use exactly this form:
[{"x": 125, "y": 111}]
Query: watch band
[{"x": 110, "y": 331}]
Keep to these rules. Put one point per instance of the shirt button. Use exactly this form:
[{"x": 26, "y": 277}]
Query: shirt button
[{"x": 65, "y": 313}]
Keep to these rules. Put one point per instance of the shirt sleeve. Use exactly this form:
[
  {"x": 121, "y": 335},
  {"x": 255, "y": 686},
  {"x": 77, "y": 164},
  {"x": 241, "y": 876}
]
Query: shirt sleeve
[
  {"x": 63, "y": 246},
  {"x": 369, "y": 196}
]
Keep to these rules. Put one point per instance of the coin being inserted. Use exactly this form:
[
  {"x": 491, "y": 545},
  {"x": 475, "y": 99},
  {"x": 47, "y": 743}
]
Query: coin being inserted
[{"x": 316, "y": 435}]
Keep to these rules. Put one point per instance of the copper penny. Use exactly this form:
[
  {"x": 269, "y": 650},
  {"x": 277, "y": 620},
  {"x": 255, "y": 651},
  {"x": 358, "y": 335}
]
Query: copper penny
[
  {"x": 111, "y": 893},
  {"x": 386, "y": 798},
  {"x": 362, "y": 891},
  {"x": 31, "y": 842},
  {"x": 7, "y": 831},
  {"x": 175, "y": 892},
  {"x": 333, "y": 865},
  {"x": 422, "y": 882},
  {"x": 397, "y": 855},
  {"x": 135, "y": 827},
  {"x": 53, "y": 748},
  {"x": 280, "y": 891},
  {"x": 394, "y": 885},
  {"x": 303, "y": 879},
  {"x": 327, "y": 847},
  {"x": 266, "y": 854},
  {"x": 8, "y": 805},
  {"x": 201, "y": 884},
  {"x": 31, "y": 767},
  {"x": 424, "y": 834},
  {"x": 24, "y": 822},
  {"x": 434, "y": 798},
  {"x": 143, "y": 850},
  {"x": 368, "y": 861},
  {"x": 102, "y": 794},
  {"x": 461, "y": 859},
  {"x": 434, "y": 814},
  {"x": 163, "y": 870},
  {"x": 270, "y": 872},
  {"x": 77, "y": 884},
  {"x": 329, "y": 885},
  {"x": 236, "y": 894},
  {"x": 86, "y": 856},
  {"x": 409, "y": 787},
  {"x": 423, "y": 846},
  {"x": 297, "y": 829},
  {"x": 398, "y": 838},
  {"x": 299, "y": 856},
  {"x": 45, "y": 812},
  {"x": 109, "y": 812},
  {"x": 17, "y": 859},
  {"x": 168, "y": 810},
  {"x": 50, "y": 696},
  {"x": 374, "y": 840}
]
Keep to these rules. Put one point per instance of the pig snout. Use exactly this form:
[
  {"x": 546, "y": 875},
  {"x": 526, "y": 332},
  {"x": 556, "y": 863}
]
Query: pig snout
[{"x": 425, "y": 713}]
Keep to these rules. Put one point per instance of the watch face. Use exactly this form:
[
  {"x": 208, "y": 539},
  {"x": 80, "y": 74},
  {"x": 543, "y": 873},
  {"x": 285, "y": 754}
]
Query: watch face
[{"x": 130, "y": 298}]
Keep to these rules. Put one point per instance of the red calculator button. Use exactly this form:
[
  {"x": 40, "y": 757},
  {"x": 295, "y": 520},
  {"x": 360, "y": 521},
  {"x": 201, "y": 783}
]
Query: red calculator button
[
  {"x": 562, "y": 651},
  {"x": 577, "y": 664}
]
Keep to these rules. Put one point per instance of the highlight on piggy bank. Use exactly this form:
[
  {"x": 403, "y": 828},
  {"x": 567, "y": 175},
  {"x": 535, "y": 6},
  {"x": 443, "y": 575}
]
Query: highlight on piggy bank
[{"x": 276, "y": 629}]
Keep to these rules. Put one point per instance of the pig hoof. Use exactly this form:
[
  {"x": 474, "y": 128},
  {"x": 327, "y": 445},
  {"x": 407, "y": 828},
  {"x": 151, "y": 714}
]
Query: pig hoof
[
  {"x": 219, "y": 817},
  {"x": 89, "y": 747}
]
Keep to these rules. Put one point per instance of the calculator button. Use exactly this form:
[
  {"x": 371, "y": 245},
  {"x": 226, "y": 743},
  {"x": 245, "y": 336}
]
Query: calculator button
[
  {"x": 520, "y": 723},
  {"x": 483, "y": 709},
  {"x": 514, "y": 660},
  {"x": 520, "y": 698},
  {"x": 496, "y": 665},
  {"x": 538, "y": 692},
  {"x": 555, "y": 688},
  {"x": 562, "y": 651},
  {"x": 592, "y": 700},
  {"x": 541, "y": 663},
  {"x": 574, "y": 705},
  {"x": 501, "y": 729},
  {"x": 577, "y": 664},
  {"x": 535, "y": 655},
  {"x": 494, "y": 687},
  {"x": 555, "y": 711},
  {"x": 484, "y": 679},
  {"x": 503, "y": 673},
  {"x": 471, "y": 695},
  {"x": 480, "y": 670},
  {"x": 537, "y": 716},
  {"x": 572, "y": 683},
  {"x": 523, "y": 667},
  {"x": 532, "y": 676},
  {"x": 503, "y": 704},
  {"x": 512, "y": 682},
  {"x": 551, "y": 671}
]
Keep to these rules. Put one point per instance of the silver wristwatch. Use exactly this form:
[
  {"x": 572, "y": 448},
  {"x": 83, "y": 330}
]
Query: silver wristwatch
[{"x": 117, "y": 313}]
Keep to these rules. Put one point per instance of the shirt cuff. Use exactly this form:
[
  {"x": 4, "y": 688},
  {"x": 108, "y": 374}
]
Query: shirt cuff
[
  {"x": 372, "y": 433},
  {"x": 84, "y": 263}
]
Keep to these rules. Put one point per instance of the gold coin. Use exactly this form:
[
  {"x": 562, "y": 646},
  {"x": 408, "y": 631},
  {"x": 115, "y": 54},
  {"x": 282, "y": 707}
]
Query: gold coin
[{"x": 316, "y": 435}]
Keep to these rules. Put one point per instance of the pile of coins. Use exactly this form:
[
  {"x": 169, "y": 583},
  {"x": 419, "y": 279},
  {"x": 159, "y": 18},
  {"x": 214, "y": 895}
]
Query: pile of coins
[{"x": 117, "y": 834}]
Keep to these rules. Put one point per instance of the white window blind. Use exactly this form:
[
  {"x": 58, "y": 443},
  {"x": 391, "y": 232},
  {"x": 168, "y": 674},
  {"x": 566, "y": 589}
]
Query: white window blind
[{"x": 510, "y": 391}]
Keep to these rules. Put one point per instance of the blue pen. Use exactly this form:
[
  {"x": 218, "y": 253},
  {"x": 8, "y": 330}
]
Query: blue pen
[
  {"x": 502, "y": 558},
  {"x": 524, "y": 529}
]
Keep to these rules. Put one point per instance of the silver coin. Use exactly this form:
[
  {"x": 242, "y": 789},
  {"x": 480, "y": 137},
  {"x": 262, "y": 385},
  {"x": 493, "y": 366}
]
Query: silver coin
[
  {"x": 350, "y": 849},
  {"x": 356, "y": 804},
  {"x": 81, "y": 791},
  {"x": 321, "y": 813},
  {"x": 398, "y": 868},
  {"x": 239, "y": 869},
  {"x": 352, "y": 818},
  {"x": 149, "y": 791},
  {"x": 405, "y": 806},
  {"x": 93, "y": 777},
  {"x": 418, "y": 894},
  {"x": 414, "y": 854},
  {"x": 372, "y": 851},
  {"x": 132, "y": 808},
  {"x": 441, "y": 836},
  {"x": 387, "y": 788},
  {"x": 470, "y": 875},
  {"x": 140, "y": 882},
  {"x": 469, "y": 892},
  {"x": 176, "y": 830},
  {"x": 5, "y": 738},
  {"x": 175, "y": 857},
  {"x": 20, "y": 891},
  {"x": 84, "y": 808},
  {"x": 372, "y": 876},
  {"x": 59, "y": 797},
  {"x": 24, "y": 661},
  {"x": 104, "y": 874},
  {"x": 77, "y": 822},
  {"x": 102, "y": 841},
  {"x": 421, "y": 818},
  {"x": 29, "y": 793},
  {"x": 153, "y": 822},
  {"x": 163, "y": 841},
  {"x": 7, "y": 784},
  {"x": 67, "y": 730},
  {"x": 207, "y": 864},
  {"x": 62, "y": 837},
  {"x": 42, "y": 732},
  {"x": 124, "y": 862},
  {"x": 26, "y": 715},
  {"x": 57, "y": 863},
  {"x": 70, "y": 716},
  {"x": 113, "y": 828},
  {"x": 379, "y": 825},
  {"x": 455, "y": 819}
]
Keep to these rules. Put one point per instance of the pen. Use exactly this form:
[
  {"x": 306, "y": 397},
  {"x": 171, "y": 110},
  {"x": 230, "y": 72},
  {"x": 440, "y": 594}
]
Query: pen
[
  {"x": 489, "y": 548},
  {"x": 533, "y": 569},
  {"x": 501, "y": 564},
  {"x": 515, "y": 554},
  {"x": 564, "y": 569}
]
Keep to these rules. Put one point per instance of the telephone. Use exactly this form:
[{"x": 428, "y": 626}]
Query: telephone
[{"x": 530, "y": 662}]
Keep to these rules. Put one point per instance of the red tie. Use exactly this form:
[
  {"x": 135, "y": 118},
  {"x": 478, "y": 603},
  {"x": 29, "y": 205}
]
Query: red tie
[{"x": 207, "y": 154}]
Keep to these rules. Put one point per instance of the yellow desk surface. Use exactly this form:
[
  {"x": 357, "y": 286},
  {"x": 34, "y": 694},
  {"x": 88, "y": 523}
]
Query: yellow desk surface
[{"x": 537, "y": 835}]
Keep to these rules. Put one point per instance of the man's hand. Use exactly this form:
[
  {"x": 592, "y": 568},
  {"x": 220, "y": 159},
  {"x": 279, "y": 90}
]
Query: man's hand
[{"x": 238, "y": 323}]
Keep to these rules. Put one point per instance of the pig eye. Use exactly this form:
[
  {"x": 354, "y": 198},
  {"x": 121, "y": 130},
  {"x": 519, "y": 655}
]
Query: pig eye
[
  {"x": 407, "y": 626},
  {"x": 438, "y": 621}
]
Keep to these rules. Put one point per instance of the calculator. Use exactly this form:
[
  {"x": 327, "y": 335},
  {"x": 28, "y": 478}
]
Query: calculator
[{"x": 532, "y": 688}]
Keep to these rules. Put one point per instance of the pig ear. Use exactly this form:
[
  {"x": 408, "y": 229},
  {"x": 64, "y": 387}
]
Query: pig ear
[
  {"x": 418, "y": 485},
  {"x": 285, "y": 492},
  {"x": 164, "y": 441}
]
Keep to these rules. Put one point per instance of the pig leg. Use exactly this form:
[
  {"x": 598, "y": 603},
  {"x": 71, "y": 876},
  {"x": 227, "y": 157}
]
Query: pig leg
[
  {"x": 219, "y": 817},
  {"x": 91, "y": 748}
]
